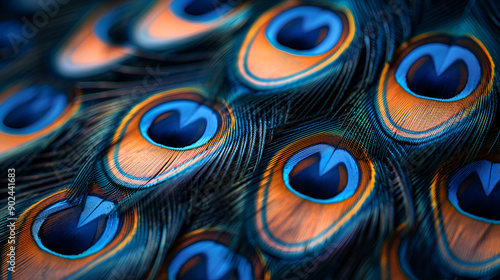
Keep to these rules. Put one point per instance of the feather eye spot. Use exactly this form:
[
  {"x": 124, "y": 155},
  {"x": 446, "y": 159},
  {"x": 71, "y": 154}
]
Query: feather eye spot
[
  {"x": 202, "y": 10},
  {"x": 182, "y": 124},
  {"x": 475, "y": 190},
  {"x": 305, "y": 30},
  {"x": 111, "y": 27},
  {"x": 326, "y": 179},
  {"x": 322, "y": 174},
  {"x": 439, "y": 71},
  {"x": 197, "y": 261},
  {"x": 30, "y": 113},
  {"x": 167, "y": 135},
  {"x": 63, "y": 236},
  {"x": 291, "y": 42},
  {"x": 434, "y": 83},
  {"x": 464, "y": 202},
  {"x": 93, "y": 48},
  {"x": 68, "y": 230},
  {"x": 194, "y": 20},
  {"x": 207, "y": 254},
  {"x": 32, "y": 109}
]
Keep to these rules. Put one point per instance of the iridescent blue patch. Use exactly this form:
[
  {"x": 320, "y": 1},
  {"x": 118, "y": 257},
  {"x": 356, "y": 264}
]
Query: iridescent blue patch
[
  {"x": 31, "y": 109},
  {"x": 180, "y": 125},
  {"x": 111, "y": 27},
  {"x": 475, "y": 191},
  {"x": 11, "y": 34},
  {"x": 201, "y": 10},
  {"x": 209, "y": 260},
  {"x": 305, "y": 30},
  {"x": 441, "y": 70},
  {"x": 327, "y": 174},
  {"x": 67, "y": 231}
]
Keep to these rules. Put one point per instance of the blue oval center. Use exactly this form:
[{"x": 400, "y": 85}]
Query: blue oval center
[
  {"x": 180, "y": 124},
  {"x": 474, "y": 190},
  {"x": 322, "y": 174},
  {"x": 305, "y": 30},
  {"x": 32, "y": 109},
  {"x": 209, "y": 260}
]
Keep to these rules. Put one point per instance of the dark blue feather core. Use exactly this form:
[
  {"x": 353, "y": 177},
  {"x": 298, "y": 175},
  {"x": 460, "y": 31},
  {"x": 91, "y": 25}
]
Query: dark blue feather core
[
  {"x": 76, "y": 231},
  {"x": 180, "y": 124},
  {"x": 423, "y": 80},
  {"x": 209, "y": 260},
  {"x": 322, "y": 174},
  {"x": 439, "y": 71},
  {"x": 112, "y": 27},
  {"x": 305, "y": 30},
  {"x": 202, "y": 10},
  {"x": 32, "y": 109},
  {"x": 475, "y": 190},
  {"x": 166, "y": 130},
  {"x": 473, "y": 199},
  {"x": 60, "y": 233},
  {"x": 293, "y": 36},
  {"x": 305, "y": 178}
]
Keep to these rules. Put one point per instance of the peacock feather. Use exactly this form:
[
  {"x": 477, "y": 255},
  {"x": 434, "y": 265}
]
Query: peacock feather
[{"x": 234, "y": 139}]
